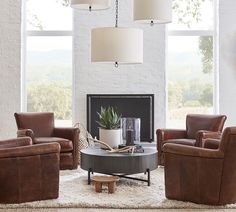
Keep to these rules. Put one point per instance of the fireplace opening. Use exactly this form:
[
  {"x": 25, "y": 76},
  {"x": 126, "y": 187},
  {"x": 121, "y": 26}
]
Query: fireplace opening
[{"x": 129, "y": 105}]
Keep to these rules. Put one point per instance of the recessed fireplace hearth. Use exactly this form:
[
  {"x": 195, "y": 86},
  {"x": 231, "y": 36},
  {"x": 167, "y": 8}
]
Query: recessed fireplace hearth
[{"x": 129, "y": 105}]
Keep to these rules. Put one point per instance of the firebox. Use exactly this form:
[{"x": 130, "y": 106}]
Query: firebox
[{"x": 129, "y": 105}]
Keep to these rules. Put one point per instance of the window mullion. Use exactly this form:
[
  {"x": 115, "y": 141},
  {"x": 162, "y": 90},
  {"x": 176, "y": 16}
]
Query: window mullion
[
  {"x": 49, "y": 33},
  {"x": 191, "y": 32}
]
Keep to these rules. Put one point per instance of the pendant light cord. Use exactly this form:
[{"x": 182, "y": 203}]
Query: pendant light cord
[
  {"x": 117, "y": 13},
  {"x": 116, "y": 25}
]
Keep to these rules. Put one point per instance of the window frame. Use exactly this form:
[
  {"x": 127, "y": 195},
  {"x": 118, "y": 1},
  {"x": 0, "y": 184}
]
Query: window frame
[{"x": 192, "y": 32}]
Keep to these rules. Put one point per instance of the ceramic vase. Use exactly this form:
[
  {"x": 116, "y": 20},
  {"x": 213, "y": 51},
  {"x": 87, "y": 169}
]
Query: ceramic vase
[{"x": 111, "y": 137}]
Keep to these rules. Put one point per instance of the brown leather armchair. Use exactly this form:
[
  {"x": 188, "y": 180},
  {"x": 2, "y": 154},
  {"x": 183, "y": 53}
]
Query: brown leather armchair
[
  {"x": 205, "y": 176},
  {"x": 27, "y": 171},
  {"x": 198, "y": 128},
  {"x": 40, "y": 127}
]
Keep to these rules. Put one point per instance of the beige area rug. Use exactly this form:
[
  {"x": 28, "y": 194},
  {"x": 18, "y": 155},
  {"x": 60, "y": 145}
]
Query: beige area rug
[{"x": 76, "y": 193}]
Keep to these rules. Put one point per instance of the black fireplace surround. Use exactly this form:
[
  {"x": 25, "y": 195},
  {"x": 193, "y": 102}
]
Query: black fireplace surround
[{"x": 129, "y": 105}]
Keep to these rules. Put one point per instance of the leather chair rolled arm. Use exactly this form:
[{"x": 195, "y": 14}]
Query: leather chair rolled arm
[
  {"x": 211, "y": 143},
  {"x": 23, "y": 141},
  {"x": 31, "y": 150},
  {"x": 25, "y": 132},
  {"x": 72, "y": 134},
  {"x": 202, "y": 135},
  {"x": 181, "y": 150},
  {"x": 165, "y": 134}
]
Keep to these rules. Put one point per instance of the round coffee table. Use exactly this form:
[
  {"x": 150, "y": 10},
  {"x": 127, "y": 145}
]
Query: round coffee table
[{"x": 119, "y": 164}]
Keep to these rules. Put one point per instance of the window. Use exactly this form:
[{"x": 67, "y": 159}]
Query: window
[
  {"x": 190, "y": 60},
  {"x": 48, "y": 59}
]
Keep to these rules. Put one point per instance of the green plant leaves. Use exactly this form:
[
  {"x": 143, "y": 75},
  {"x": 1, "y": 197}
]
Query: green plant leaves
[{"x": 109, "y": 118}]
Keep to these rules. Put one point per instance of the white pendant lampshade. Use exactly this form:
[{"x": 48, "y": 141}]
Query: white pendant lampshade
[
  {"x": 117, "y": 45},
  {"x": 152, "y": 11},
  {"x": 90, "y": 4}
]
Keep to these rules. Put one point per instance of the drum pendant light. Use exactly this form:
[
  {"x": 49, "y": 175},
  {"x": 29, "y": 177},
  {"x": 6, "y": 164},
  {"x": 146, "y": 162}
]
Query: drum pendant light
[
  {"x": 90, "y": 4},
  {"x": 152, "y": 11},
  {"x": 117, "y": 44}
]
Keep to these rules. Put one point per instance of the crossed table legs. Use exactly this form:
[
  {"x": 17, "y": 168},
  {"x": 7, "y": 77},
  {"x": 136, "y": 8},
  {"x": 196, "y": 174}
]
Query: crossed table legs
[{"x": 90, "y": 171}]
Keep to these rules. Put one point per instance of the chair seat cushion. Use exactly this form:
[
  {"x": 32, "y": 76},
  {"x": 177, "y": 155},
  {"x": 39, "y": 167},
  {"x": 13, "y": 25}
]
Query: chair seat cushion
[
  {"x": 188, "y": 142},
  {"x": 66, "y": 145}
]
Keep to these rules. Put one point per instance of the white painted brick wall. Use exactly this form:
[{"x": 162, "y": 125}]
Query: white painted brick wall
[
  {"x": 146, "y": 78},
  {"x": 10, "y": 48}
]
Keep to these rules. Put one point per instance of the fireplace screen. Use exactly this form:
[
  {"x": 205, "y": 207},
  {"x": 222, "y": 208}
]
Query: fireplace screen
[{"x": 135, "y": 106}]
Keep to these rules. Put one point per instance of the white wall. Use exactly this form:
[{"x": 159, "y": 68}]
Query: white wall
[
  {"x": 227, "y": 60},
  {"x": 10, "y": 30},
  {"x": 146, "y": 78}
]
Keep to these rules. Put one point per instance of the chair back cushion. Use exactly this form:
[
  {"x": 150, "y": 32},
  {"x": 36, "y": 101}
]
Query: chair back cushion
[
  {"x": 196, "y": 122},
  {"x": 42, "y": 124}
]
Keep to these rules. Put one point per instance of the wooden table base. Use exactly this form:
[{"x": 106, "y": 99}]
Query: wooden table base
[
  {"x": 109, "y": 180},
  {"x": 148, "y": 180}
]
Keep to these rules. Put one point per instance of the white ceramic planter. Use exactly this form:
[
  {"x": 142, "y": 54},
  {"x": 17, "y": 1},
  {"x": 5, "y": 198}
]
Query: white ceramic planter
[{"x": 111, "y": 137}]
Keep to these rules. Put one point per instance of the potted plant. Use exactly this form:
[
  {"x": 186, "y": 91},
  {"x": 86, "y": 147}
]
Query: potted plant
[{"x": 110, "y": 126}]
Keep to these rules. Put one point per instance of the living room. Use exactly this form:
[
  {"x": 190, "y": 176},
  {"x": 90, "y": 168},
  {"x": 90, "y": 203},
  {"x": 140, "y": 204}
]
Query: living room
[{"x": 52, "y": 61}]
